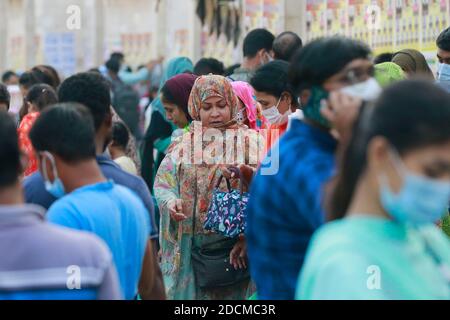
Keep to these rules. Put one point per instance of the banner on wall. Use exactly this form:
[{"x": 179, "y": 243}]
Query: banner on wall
[
  {"x": 17, "y": 53},
  {"x": 254, "y": 12},
  {"x": 59, "y": 51},
  {"x": 273, "y": 15},
  {"x": 386, "y": 25},
  {"x": 267, "y": 14}
]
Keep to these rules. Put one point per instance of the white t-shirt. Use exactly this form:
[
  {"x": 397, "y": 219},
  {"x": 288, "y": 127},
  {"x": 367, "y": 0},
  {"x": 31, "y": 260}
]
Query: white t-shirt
[{"x": 127, "y": 165}]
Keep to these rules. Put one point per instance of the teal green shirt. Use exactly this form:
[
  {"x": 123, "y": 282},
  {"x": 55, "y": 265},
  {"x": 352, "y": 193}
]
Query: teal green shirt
[{"x": 362, "y": 258}]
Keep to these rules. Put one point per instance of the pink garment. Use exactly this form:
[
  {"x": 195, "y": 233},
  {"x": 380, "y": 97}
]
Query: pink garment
[{"x": 246, "y": 94}]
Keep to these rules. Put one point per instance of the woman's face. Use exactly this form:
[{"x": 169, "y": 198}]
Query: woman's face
[
  {"x": 32, "y": 107},
  {"x": 176, "y": 115},
  {"x": 432, "y": 162},
  {"x": 215, "y": 112}
]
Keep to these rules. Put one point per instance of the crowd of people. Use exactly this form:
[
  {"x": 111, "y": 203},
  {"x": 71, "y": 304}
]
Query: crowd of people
[{"x": 308, "y": 171}]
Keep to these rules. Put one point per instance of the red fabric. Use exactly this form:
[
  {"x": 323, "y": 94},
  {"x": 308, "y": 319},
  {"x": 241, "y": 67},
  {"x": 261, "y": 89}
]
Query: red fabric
[
  {"x": 274, "y": 133},
  {"x": 25, "y": 143}
]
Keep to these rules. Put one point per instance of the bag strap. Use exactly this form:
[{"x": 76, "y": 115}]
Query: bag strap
[
  {"x": 239, "y": 175},
  {"x": 220, "y": 181}
]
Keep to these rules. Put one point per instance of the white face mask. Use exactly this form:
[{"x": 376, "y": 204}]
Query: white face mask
[
  {"x": 368, "y": 90},
  {"x": 267, "y": 58},
  {"x": 273, "y": 115}
]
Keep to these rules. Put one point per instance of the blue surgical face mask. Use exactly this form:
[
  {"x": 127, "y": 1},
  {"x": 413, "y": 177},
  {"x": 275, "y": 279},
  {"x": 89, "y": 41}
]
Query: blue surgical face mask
[
  {"x": 444, "y": 72},
  {"x": 420, "y": 200},
  {"x": 55, "y": 188}
]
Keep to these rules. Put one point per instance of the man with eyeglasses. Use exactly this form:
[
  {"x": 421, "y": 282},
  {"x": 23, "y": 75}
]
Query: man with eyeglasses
[{"x": 326, "y": 73}]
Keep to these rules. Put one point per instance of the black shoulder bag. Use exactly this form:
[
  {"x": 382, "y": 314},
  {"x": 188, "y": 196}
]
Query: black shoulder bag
[{"x": 211, "y": 261}]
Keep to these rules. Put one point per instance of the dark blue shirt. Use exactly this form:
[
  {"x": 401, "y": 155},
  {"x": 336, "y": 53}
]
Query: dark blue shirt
[
  {"x": 35, "y": 192},
  {"x": 286, "y": 208}
]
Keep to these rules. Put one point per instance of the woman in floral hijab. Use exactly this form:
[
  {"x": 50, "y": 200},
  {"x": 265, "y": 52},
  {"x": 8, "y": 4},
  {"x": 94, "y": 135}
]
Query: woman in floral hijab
[{"x": 185, "y": 182}]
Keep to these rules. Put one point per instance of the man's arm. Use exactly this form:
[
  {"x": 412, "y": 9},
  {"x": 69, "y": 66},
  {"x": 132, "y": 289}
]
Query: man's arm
[
  {"x": 151, "y": 284},
  {"x": 131, "y": 78}
]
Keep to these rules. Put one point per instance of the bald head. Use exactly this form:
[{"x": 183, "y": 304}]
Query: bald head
[{"x": 286, "y": 45}]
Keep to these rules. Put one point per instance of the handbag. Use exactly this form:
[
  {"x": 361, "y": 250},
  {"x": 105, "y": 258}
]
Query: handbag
[
  {"x": 212, "y": 268},
  {"x": 226, "y": 212},
  {"x": 211, "y": 262}
]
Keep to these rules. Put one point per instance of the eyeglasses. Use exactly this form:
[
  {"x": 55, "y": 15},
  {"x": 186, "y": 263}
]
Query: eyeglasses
[{"x": 355, "y": 75}]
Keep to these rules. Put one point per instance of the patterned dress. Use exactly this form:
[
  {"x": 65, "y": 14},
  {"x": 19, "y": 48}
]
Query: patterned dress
[{"x": 192, "y": 179}]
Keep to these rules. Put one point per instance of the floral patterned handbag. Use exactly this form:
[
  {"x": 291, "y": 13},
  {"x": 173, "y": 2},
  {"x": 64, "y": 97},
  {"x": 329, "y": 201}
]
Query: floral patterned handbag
[{"x": 226, "y": 213}]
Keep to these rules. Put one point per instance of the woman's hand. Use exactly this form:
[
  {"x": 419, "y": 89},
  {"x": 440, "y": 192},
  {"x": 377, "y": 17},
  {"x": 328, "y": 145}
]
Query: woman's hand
[
  {"x": 238, "y": 256},
  {"x": 176, "y": 210},
  {"x": 247, "y": 172},
  {"x": 342, "y": 111},
  {"x": 226, "y": 172}
]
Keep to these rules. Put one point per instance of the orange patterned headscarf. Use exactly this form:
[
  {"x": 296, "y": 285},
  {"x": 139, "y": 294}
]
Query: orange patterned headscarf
[{"x": 213, "y": 86}]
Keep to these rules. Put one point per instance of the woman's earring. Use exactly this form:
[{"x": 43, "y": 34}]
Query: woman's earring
[{"x": 240, "y": 117}]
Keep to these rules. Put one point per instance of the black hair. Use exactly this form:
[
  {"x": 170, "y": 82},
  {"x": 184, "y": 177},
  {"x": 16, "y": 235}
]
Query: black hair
[
  {"x": 383, "y": 57},
  {"x": 443, "y": 41},
  {"x": 167, "y": 97},
  {"x": 28, "y": 79},
  {"x": 94, "y": 70},
  {"x": 91, "y": 90},
  {"x": 50, "y": 71},
  {"x": 7, "y": 75},
  {"x": 66, "y": 130},
  {"x": 11, "y": 166},
  {"x": 42, "y": 96},
  {"x": 117, "y": 55},
  {"x": 40, "y": 74},
  {"x": 230, "y": 70},
  {"x": 323, "y": 58},
  {"x": 256, "y": 40},
  {"x": 286, "y": 45},
  {"x": 410, "y": 114},
  {"x": 120, "y": 135},
  {"x": 272, "y": 78},
  {"x": 206, "y": 66},
  {"x": 113, "y": 65},
  {"x": 5, "y": 97}
]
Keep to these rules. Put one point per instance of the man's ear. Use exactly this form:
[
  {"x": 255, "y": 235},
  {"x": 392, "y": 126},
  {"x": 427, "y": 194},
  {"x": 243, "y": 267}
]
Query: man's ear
[
  {"x": 304, "y": 97},
  {"x": 286, "y": 96},
  {"x": 108, "y": 119},
  {"x": 377, "y": 153},
  {"x": 261, "y": 53}
]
